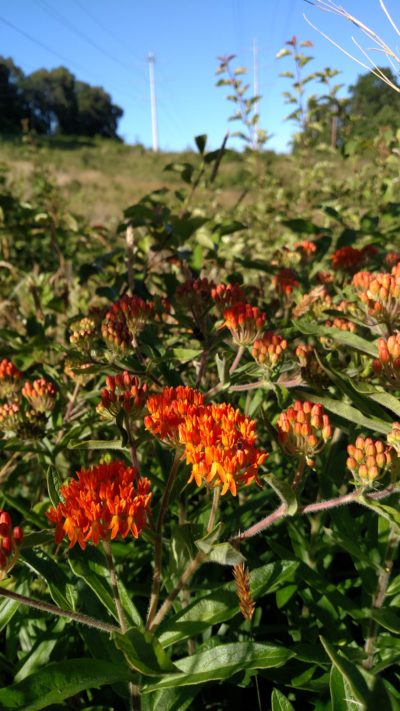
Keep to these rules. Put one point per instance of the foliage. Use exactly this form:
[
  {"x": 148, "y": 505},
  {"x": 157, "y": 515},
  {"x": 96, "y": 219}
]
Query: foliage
[
  {"x": 242, "y": 365},
  {"x": 55, "y": 102}
]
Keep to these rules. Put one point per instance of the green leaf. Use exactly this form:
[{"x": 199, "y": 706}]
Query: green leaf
[
  {"x": 222, "y": 662},
  {"x": 225, "y": 554},
  {"x": 184, "y": 355},
  {"x": 8, "y": 608},
  {"x": 61, "y": 590},
  {"x": 350, "y": 672},
  {"x": 279, "y": 702},
  {"x": 170, "y": 699},
  {"x": 341, "y": 697},
  {"x": 54, "y": 483},
  {"x": 222, "y": 604},
  {"x": 89, "y": 566},
  {"x": 388, "y": 512},
  {"x": 387, "y": 618},
  {"x": 344, "y": 338},
  {"x": 201, "y": 142},
  {"x": 144, "y": 653},
  {"x": 97, "y": 444},
  {"x": 284, "y": 491},
  {"x": 59, "y": 681}
]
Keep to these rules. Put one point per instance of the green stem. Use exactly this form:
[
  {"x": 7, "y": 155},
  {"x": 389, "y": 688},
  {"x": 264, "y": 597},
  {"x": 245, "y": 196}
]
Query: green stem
[
  {"x": 155, "y": 590},
  {"x": 54, "y": 610},
  {"x": 134, "y": 691},
  {"x": 299, "y": 473},
  {"x": 190, "y": 570},
  {"x": 380, "y": 593}
]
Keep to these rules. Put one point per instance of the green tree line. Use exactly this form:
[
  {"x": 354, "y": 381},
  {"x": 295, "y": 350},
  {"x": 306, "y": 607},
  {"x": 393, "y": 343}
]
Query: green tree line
[{"x": 54, "y": 101}]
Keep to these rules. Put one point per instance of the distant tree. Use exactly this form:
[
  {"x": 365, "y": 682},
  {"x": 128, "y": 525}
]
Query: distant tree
[
  {"x": 373, "y": 104},
  {"x": 12, "y": 104},
  {"x": 97, "y": 115}
]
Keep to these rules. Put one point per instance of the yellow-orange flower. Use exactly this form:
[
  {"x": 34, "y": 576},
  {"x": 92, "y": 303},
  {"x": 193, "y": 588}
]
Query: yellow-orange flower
[
  {"x": 104, "y": 501},
  {"x": 220, "y": 445},
  {"x": 168, "y": 409},
  {"x": 245, "y": 323}
]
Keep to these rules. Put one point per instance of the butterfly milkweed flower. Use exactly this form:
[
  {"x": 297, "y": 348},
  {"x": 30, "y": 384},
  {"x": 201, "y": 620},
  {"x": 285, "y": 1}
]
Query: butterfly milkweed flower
[
  {"x": 122, "y": 392},
  {"x": 347, "y": 259},
  {"x": 9, "y": 378},
  {"x": 225, "y": 295},
  {"x": 269, "y": 350},
  {"x": 303, "y": 430},
  {"x": 220, "y": 446},
  {"x": 387, "y": 365},
  {"x": 368, "y": 460},
  {"x": 168, "y": 409},
  {"x": 245, "y": 323},
  {"x": 103, "y": 502},
  {"x": 41, "y": 394},
  {"x": 124, "y": 320},
  {"x": 381, "y": 298}
]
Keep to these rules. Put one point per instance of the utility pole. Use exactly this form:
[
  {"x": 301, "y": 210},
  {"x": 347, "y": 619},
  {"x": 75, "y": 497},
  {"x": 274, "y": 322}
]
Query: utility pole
[
  {"x": 256, "y": 85},
  {"x": 154, "y": 131}
]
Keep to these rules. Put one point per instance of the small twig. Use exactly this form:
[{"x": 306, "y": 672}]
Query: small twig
[
  {"x": 156, "y": 586},
  {"x": 237, "y": 359},
  {"x": 54, "y": 610},
  {"x": 380, "y": 593},
  {"x": 114, "y": 586},
  {"x": 71, "y": 403}
]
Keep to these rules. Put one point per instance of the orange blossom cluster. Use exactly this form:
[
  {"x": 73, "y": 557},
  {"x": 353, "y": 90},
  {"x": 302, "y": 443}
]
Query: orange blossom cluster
[
  {"x": 388, "y": 362},
  {"x": 368, "y": 459},
  {"x": 104, "y": 501},
  {"x": 245, "y": 323},
  {"x": 10, "y": 541},
  {"x": 122, "y": 392},
  {"x": 9, "y": 378},
  {"x": 41, "y": 394},
  {"x": 348, "y": 259},
  {"x": 269, "y": 350},
  {"x": 168, "y": 409},
  {"x": 303, "y": 430}
]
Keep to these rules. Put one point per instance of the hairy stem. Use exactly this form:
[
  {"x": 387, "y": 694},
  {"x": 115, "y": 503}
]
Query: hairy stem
[
  {"x": 155, "y": 590},
  {"x": 58, "y": 611},
  {"x": 299, "y": 473},
  {"x": 190, "y": 570},
  {"x": 237, "y": 359},
  {"x": 380, "y": 593}
]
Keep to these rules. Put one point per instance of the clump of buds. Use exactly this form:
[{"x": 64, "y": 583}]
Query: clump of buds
[
  {"x": 75, "y": 370},
  {"x": 306, "y": 248},
  {"x": 310, "y": 368},
  {"x": 368, "y": 460},
  {"x": 9, "y": 378},
  {"x": 342, "y": 324},
  {"x": 226, "y": 295},
  {"x": 41, "y": 394},
  {"x": 269, "y": 350},
  {"x": 303, "y": 430},
  {"x": 9, "y": 416},
  {"x": 10, "y": 542},
  {"x": 387, "y": 365},
  {"x": 347, "y": 259},
  {"x": 361, "y": 281},
  {"x": 285, "y": 281},
  {"x": 115, "y": 332},
  {"x": 122, "y": 392},
  {"x": 245, "y": 323},
  {"x": 195, "y": 296},
  {"x": 393, "y": 437},
  {"x": 83, "y": 334},
  {"x": 137, "y": 312},
  {"x": 382, "y": 299},
  {"x": 396, "y": 270}
]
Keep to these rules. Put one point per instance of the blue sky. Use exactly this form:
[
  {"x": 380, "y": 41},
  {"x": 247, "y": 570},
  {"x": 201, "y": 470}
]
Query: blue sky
[{"x": 106, "y": 43}]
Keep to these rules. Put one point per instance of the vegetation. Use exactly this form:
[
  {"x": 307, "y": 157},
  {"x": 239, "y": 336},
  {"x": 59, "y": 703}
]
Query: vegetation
[
  {"x": 54, "y": 101},
  {"x": 200, "y": 436}
]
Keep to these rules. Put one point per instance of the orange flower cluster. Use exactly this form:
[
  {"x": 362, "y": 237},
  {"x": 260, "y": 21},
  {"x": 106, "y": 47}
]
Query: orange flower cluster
[
  {"x": 124, "y": 320},
  {"x": 123, "y": 392},
  {"x": 368, "y": 460},
  {"x": 285, "y": 281},
  {"x": 10, "y": 541},
  {"x": 83, "y": 334},
  {"x": 168, "y": 409},
  {"x": 103, "y": 502},
  {"x": 41, "y": 394},
  {"x": 269, "y": 350},
  {"x": 9, "y": 416},
  {"x": 220, "y": 447},
  {"x": 396, "y": 270},
  {"x": 226, "y": 295},
  {"x": 387, "y": 365},
  {"x": 9, "y": 378},
  {"x": 245, "y": 323},
  {"x": 361, "y": 281},
  {"x": 303, "y": 430},
  {"x": 382, "y": 299},
  {"x": 342, "y": 324},
  {"x": 306, "y": 249},
  {"x": 347, "y": 259}
]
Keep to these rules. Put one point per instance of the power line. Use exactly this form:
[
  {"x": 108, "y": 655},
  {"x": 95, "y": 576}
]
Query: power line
[
  {"x": 64, "y": 21},
  {"x": 108, "y": 32}
]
